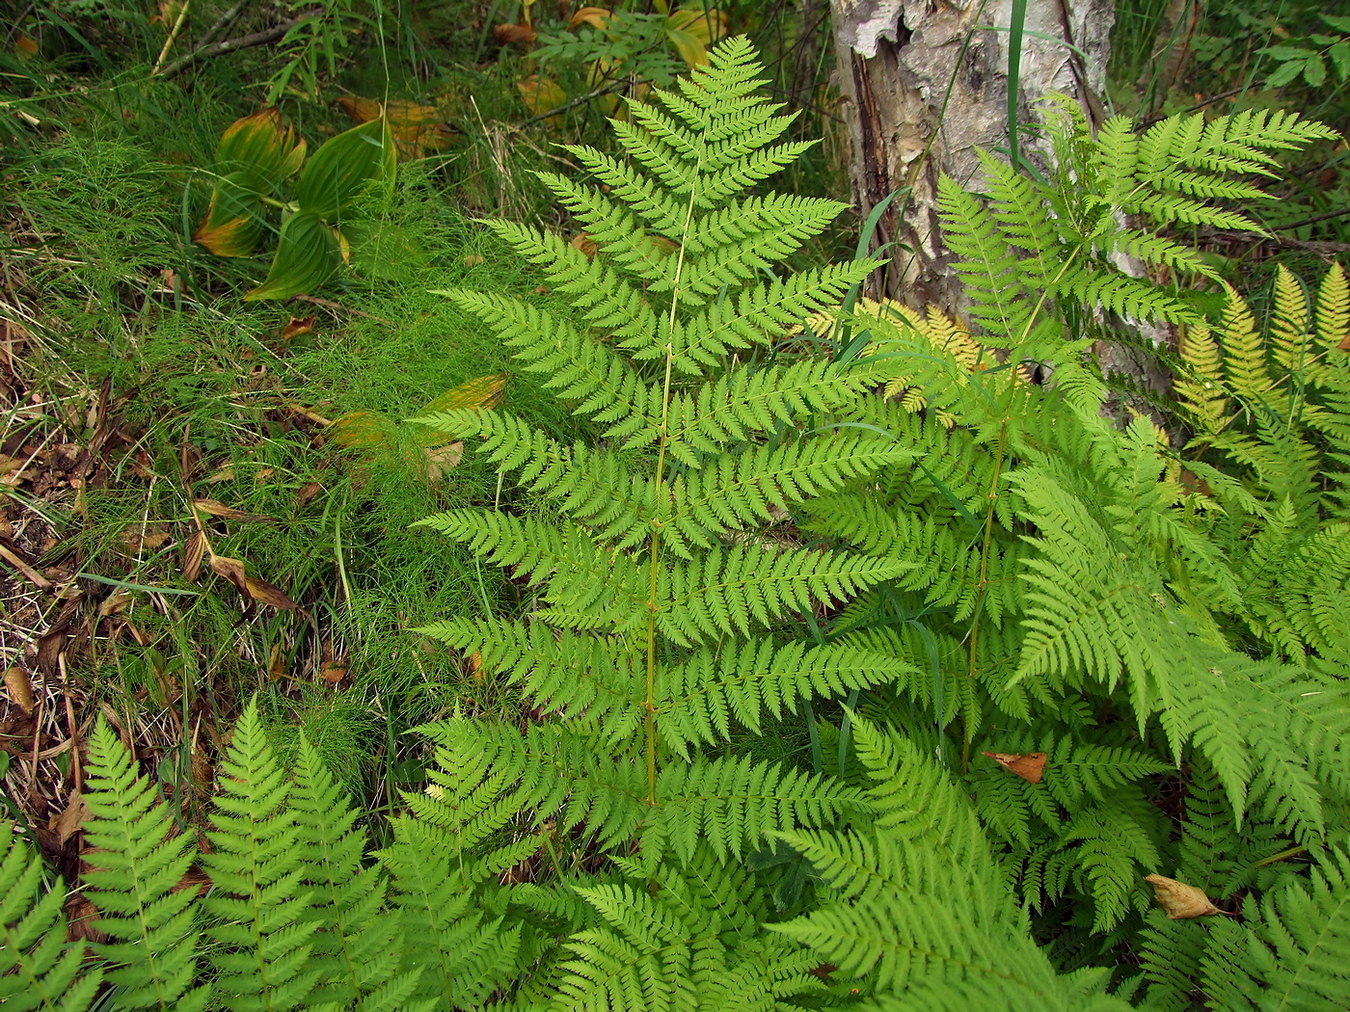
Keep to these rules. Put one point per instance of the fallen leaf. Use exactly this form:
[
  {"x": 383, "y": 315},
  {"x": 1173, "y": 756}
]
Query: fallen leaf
[
  {"x": 251, "y": 587},
  {"x": 587, "y": 245},
  {"x": 298, "y": 326},
  {"x": 332, "y": 672},
  {"x": 473, "y": 260},
  {"x": 1029, "y": 767},
  {"x": 442, "y": 459},
  {"x": 520, "y": 35},
  {"x": 307, "y": 491},
  {"x": 67, "y": 824},
  {"x": 475, "y": 665},
  {"x": 20, "y": 689},
  {"x": 541, "y": 94},
  {"x": 193, "y": 550},
  {"x": 218, "y": 509},
  {"x": 1180, "y": 900},
  {"x": 25, "y": 46},
  {"x": 415, "y": 127}
]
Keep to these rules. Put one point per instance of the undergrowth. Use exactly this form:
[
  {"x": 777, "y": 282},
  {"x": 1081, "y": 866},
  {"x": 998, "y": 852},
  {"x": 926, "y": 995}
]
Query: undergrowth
[{"x": 1061, "y": 659}]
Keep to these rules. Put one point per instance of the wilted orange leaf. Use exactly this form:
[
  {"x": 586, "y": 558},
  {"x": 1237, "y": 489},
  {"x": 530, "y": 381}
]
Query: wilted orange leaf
[
  {"x": 26, "y": 46},
  {"x": 332, "y": 672},
  {"x": 1029, "y": 767},
  {"x": 276, "y": 664},
  {"x": 596, "y": 17},
  {"x": 587, "y": 245},
  {"x": 1180, "y": 900},
  {"x": 473, "y": 260}
]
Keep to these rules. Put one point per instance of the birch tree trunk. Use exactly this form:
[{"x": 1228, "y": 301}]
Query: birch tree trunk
[{"x": 923, "y": 82}]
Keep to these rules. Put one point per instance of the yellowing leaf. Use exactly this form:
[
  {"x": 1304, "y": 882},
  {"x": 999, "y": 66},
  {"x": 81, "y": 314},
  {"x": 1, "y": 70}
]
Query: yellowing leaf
[
  {"x": 485, "y": 392},
  {"x": 540, "y": 94},
  {"x": 416, "y": 128},
  {"x": 363, "y": 429},
  {"x": 692, "y": 31},
  {"x": 596, "y": 17},
  {"x": 1180, "y": 900}
]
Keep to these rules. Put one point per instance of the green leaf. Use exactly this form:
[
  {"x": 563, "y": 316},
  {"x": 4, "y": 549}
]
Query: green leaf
[
  {"x": 259, "y": 142},
  {"x": 234, "y": 221},
  {"x": 1314, "y": 71},
  {"x": 1284, "y": 53},
  {"x": 1285, "y": 73},
  {"x": 345, "y": 168},
  {"x": 1340, "y": 59},
  {"x": 307, "y": 256}
]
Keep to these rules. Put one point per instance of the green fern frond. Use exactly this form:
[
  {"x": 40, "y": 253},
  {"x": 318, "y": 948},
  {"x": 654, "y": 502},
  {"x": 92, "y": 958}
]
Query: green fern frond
[
  {"x": 136, "y": 870},
  {"x": 264, "y": 923},
  {"x": 1297, "y": 948},
  {"x": 39, "y": 971}
]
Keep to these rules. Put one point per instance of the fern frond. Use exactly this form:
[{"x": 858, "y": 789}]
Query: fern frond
[
  {"x": 725, "y": 590},
  {"x": 264, "y": 924},
  {"x": 1297, "y": 949},
  {"x": 734, "y": 804},
  {"x": 136, "y": 870},
  {"x": 38, "y": 969},
  {"x": 701, "y": 696}
]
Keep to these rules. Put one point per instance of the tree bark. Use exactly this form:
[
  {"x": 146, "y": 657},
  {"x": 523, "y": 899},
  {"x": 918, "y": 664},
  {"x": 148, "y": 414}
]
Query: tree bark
[{"x": 923, "y": 82}]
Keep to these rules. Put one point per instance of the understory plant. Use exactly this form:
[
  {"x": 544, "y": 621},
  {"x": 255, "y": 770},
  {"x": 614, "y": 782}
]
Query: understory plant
[{"x": 1056, "y": 655}]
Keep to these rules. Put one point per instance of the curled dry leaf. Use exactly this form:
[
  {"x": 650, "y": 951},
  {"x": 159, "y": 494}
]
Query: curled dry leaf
[
  {"x": 68, "y": 823},
  {"x": 520, "y": 35},
  {"x": 193, "y": 551},
  {"x": 1030, "y": 767},
  {"x": 218, "y": 509},
  {"x": 251, "y": 587},
  {"x": 298, "y": 326},
  {"x": 20, "y": 689},
  {"x": 1180, "y": 900}
]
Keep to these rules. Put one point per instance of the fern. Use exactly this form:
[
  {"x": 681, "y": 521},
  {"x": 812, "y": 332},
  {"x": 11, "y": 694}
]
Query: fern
[
  {"x": 37, "y": 970},
  {"x": 136, "y": 883}
]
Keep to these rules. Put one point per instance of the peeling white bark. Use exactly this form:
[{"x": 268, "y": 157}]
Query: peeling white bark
[{"x": 924, "y": 82}]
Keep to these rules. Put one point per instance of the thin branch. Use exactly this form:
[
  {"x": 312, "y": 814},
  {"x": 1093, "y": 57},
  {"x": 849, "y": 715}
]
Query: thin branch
[{"x": 258, "y": 38}]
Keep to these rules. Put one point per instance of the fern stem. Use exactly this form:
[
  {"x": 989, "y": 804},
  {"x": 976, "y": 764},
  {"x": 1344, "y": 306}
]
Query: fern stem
[{"x": 982, "y": 587}]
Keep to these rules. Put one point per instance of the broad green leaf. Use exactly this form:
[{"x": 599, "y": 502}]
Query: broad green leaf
[
  {"x": 1315, "y": 71},
  {"x": 307, "y": 256},
  {"x": 234, "y": 221},
  {"x": 1285, "y": 73},
  {"x": 261, "y": 144},
  {"x": 1340, "y": 57},
  {"x": 346, "y": 168}
]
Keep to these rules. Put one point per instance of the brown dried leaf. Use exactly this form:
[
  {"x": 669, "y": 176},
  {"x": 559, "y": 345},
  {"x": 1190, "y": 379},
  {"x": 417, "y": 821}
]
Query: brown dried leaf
[
  {"x": 587, "y": 245},
  {"x": 193, "y": 551},
  {"x": 218, "y": 509},
  {"x": 1180, "y": 900},
  {"x": 442, "y": 459},
  {"x": 332, "y": 672},
  {"x": 520, "y": 35},
  {"x": 20, "y": 689},
  {"x": 251, "y": 587},
  {"x": 298, "y": 326},
  {"x": 67, "y": 824},
  {"x": 1029, "y": 767}
]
